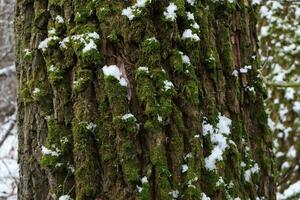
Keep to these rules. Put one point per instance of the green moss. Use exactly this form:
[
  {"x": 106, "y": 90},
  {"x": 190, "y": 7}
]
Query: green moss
[
  {"x": 83, "y": 10},
  {"x": 25, "y": 94},
  {"x": 151, "y": 51},
  {"x": 210, "y": 179},
  {"x": 113, "y": 36},
  {"x": 102, "y": 11},
  {"x": 83, "y": 80},
  {"x": 55, "y": 74},
  {"x": 163, "y": 180},
  {"x": 117, "y": 95},
  {"x": 56, "y": 3},
  {"x": 191, "y": 91},
  {"x": 28, "y": 55},
  {"x": 180, "y": 7},
  {"x": 86, "y": 164},
  {"x": 49, "y": 161},
  {"x": 85, "y": 44},
  {"x": 145, "y": 194},
  {"x": 210, "y": 60},
  {"x": 176, "y": 61}
]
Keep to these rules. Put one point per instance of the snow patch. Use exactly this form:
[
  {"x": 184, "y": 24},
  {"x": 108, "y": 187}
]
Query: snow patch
[{"x": 114, "y": 71}]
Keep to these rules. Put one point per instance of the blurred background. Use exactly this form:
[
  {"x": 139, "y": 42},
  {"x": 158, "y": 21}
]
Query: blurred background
[
  {"x": 279, "y": 40},
  {"x": 8, "y": 135}
]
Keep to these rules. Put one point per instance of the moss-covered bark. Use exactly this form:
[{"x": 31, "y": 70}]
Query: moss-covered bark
[{"x": 143, "y": 106}]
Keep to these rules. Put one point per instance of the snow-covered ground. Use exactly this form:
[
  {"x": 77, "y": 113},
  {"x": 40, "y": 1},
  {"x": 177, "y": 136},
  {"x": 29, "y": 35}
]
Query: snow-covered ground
[
  {"x": 8, "y": 159},
  {"x": 8, "y": 136}
]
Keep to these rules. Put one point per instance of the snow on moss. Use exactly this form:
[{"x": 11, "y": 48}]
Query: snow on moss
[
  {"x": 91, "y": 126},
  {"x": 185, "y": 58},
  {"x": 128, "y": 116},
  {"x": 184, "y": 168},
  {"x": 168, "y": 85},
  {"x": 249, "y": 172},
  {"x": 88, "y": 40},
  {"x": 170, "y": 13},
  {"x": 114, "y": 71},
  {"x": 188, "y": 34},
  {"x": 245, "y": 69},
  {"x": 191, "y": 2},
  {"x": 144, "y": 180},
  {"x": 204, "y": 196},
  {"x": 45, "y": 43},
  {"x": 218, "y": 136},
  {"x": 128, "y": 12},
  {"x": 46, "y": 151},
  {"x": 174, "y": 194},
  {"x": 289, "y": 93},
  {"x": 136, "y": 8},
  {"x": 59, "y": 19},
  {"x": 296, "y": 107},
  {"x": 65, "y": 197}
]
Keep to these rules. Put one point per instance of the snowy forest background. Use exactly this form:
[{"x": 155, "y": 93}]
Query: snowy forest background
[{"x": 279, "y": 38}]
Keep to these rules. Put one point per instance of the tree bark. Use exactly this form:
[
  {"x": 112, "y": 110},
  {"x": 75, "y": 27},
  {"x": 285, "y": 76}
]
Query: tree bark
[{"x": 142, "y": 105}]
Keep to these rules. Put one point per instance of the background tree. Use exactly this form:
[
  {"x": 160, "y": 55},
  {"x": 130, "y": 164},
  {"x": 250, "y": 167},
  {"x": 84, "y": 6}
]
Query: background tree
[
  {"x": 8, "y": 136},
  {"x": 279, "y": 31},
  {"x": 141, "y": 100}
]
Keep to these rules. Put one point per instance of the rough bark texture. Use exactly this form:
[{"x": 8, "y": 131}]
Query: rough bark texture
[{"x": 83, "y": 134}]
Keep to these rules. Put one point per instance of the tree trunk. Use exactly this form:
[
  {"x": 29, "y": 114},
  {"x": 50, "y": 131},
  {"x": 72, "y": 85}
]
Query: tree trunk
[{"x": 146, "y": 100}]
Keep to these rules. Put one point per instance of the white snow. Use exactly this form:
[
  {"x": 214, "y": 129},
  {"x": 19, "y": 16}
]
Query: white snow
[
  {"x": 224, "y": 124},
  {"x": 91, "y": 126},
  {"x": 188, "y": 34},
  {"x": 235, "y": 73},
  {"x": 114, "y": 71},
  {"x": 46, "y": 151},
  {"x": 144, "y": 69},
  {"x": 36, "y": 90},
  {"x": 290, "y": 191},
  {"x": 159, "y": 118},
  {"x": 174, "y": 194},
  {"x": 192, "y": 2},
  {"x": 128, "y": 12},
  {"x": 251, "y": 171},
  {"x": 289, "y": 93},
  {"x": 292, "y": 153},
  {"x": 144, "y": 180},
  {"x": 190, "y": 16},
  {"x": 245, "y": 69},
  {"x": 296, "y": 107},
  {"x": 170, "y": 13},
  {"x": 184, "y": 168},
  {"x": 139, "y": 189},
  {"x": 9, "y": 169},
  {"x": 218, "y": 137},
  {"x": 89, "y": 46},
  {"x": 44, "y": 44},
  {"x": 128, "y": 116},
  {"x": 185, "y": 59},
  {"x": 65, "y": 197},
  {"x": 168, "y": 85},
  {"x": 141, "y": 3},
  {"x": 62, "y": 43},
  {"x": 204, "y": 196},
  {"x": 59, "y": 19},
  {"x": 256, "y": 2}
]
